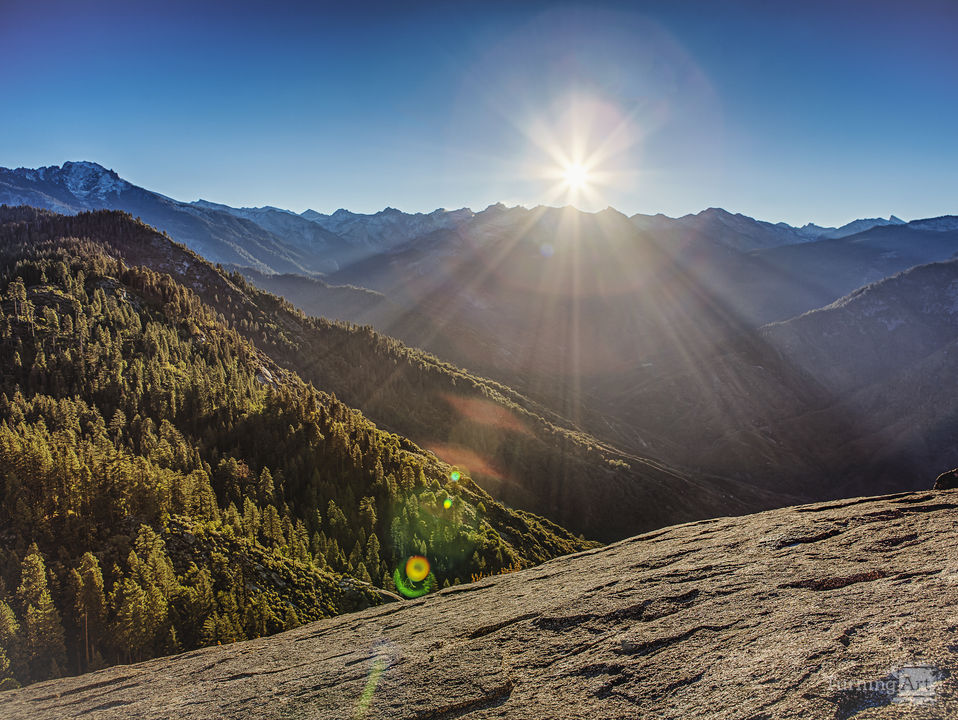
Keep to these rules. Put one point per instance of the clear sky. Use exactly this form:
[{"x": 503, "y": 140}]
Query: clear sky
[{"x": 797, "y": 111}]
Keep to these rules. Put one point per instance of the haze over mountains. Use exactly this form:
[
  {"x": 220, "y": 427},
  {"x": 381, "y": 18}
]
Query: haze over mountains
[{"x": 649, "y": 332}]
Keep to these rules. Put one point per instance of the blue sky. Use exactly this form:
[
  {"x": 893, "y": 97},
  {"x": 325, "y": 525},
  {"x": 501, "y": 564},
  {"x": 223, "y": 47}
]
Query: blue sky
[{"x": 795, "y": 111}]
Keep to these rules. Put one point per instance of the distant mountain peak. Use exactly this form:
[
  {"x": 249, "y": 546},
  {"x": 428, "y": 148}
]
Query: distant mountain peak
[
  {"x": 83, "y": 178},
  {"x": 818, "y": 232},
  {"x": 84, "y": 165},
  {"x": 496, "y": 207}
]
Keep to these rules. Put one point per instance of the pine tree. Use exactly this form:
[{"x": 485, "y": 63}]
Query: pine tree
[
  {"x": 367, "y": 513},
  {"x": 372, "y": 552},
  {"x": 9, "y": 647},
  {"x": 17, "y": 293},
  {"x": 131, "y": 623},
  {"x": 43, "y": 639},
  {"x": 265, "y": 490},
  {"x": 90, "y": 602},
  {"x": 355, "y": 556}
]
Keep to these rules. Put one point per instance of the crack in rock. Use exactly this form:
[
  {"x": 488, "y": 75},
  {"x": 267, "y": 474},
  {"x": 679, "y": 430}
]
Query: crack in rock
[{"x": 834, "y": 583}]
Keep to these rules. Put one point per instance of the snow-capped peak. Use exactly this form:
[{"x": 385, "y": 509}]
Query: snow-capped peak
[
  {"x": 84, "y": 179},
  {"x": 87, "y": 178}
]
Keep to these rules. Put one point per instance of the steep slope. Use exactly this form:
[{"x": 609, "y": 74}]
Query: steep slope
[
  {"x": 650, "y": 340},
  {"x": 164, "y": 484},
  {"x": 864, "y": 337},
  {"x": 218, "y": 236},
  {"x": 874, "y": 406},
  {"x": 336, "y": 302},
  {"x": 887, "y": 354},
  {"x": 823, "y": 611},
  {"x": 615, "y": 327}
]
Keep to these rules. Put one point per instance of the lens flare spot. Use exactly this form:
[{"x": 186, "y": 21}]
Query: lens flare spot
[
  {"x": 417, "y": 568},
  {"x": 375, "y": 672},
  {"x": 447, "y": 503},
  {"x": 413, "y": 590},
  {"x": 454, "y": 476}
]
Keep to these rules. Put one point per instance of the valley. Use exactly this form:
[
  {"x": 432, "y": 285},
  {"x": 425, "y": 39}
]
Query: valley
[{"x": 561, "y": 363}]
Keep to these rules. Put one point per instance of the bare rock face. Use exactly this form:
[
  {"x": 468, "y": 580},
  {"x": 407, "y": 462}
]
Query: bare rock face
[{"x": 836, "y": 610}]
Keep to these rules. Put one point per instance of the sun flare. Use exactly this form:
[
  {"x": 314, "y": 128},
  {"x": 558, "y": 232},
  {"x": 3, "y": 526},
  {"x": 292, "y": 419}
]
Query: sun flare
[
  {"x": 575, "y": 176},
  {"x": 581, "y": 150}
]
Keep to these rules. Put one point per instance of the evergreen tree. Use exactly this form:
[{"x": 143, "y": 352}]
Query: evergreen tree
[
  {"x": 372, "y": 552},
  {"x": 43, "y": 638},
  {"x": 131, "y": 626},
  {"x": 90, "y": 602},
  {"x": 9, "y": 647}
]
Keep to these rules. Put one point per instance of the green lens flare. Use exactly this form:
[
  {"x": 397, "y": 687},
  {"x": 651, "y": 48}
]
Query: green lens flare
[
  {"x": 454, "y": 476},
  {"x": 447, "y": 503},
  {"x": 412, "y": 589},
  {"x": 374, "y": 674}
]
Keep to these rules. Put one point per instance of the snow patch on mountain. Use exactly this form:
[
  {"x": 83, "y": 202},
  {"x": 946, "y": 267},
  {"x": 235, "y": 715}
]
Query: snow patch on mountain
[{"x": 84, "y": 180}]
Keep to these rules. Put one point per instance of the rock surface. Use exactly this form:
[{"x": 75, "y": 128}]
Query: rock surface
[{"x": 834, "y": 610}]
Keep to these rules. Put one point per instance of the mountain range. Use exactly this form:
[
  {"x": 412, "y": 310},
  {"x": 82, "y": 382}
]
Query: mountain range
[
  {"x": 276, "y": 240},
  {"x": 668, "y": 339}
]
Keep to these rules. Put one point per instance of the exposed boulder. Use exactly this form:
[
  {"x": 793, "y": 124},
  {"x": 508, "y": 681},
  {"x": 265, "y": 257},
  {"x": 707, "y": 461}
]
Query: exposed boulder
[{"x": 947, "y": 480}]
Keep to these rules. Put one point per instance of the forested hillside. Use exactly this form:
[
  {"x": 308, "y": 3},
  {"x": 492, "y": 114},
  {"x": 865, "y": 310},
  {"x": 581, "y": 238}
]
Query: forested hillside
[
  {"x": 165, "y": 485},
  {"x": 518, "y": 450}
]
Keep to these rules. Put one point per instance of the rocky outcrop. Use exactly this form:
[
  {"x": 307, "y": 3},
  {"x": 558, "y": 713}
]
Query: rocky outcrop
[
  {"x": 835, "y": 610},
  {"x": 947, "y": 480}
]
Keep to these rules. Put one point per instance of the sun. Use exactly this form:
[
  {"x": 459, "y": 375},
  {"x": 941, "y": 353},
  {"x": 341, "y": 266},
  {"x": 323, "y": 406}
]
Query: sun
[{"x": 576, "y": 176}]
